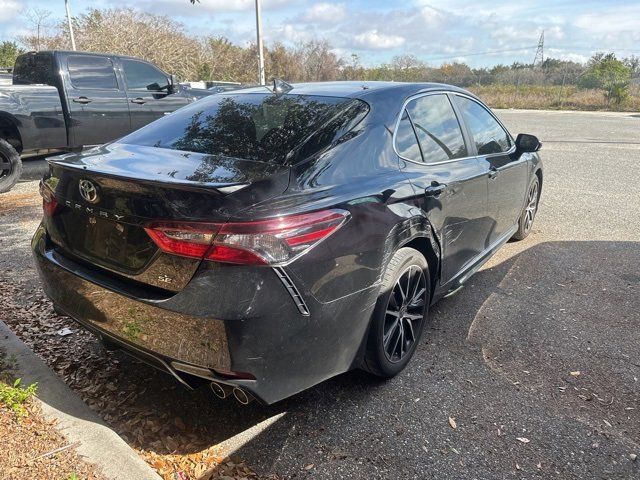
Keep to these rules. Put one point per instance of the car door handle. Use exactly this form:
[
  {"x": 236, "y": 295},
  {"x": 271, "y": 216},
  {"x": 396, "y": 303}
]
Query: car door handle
[
  {"x": 83, "y": 100},
  {"x": 493, "y": 172},
  {"x": 139, "y": 101},
  {"x": 435, "y": 189}
]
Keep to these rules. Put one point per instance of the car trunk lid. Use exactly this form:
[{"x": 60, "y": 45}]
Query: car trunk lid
[{"x": 107, "y": 196}]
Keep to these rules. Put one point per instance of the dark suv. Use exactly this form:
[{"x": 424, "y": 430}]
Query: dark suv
[{"x": 263, "y": 241}]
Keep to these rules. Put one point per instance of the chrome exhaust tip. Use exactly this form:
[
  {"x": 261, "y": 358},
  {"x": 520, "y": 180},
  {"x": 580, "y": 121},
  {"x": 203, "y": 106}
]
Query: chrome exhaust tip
[
  {"x": 241, "y": 396},
  {"x": 219, "y": 390}
]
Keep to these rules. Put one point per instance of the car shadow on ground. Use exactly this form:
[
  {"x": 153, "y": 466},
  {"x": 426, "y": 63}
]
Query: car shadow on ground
[{"x": 543, "y": 341}]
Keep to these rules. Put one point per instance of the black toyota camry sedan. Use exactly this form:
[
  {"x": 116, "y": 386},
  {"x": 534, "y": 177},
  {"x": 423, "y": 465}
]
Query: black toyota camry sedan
[{"x": 263, "y": 240}]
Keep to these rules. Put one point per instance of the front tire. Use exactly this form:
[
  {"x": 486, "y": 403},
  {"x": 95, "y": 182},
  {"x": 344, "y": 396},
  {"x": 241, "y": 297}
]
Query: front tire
[
  {"x": 525, "y": 222},
  {"x": 10, "y": 166},
  {"x": 400, "y": 314}
]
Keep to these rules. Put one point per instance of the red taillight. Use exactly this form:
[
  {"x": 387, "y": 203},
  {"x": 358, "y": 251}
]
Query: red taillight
[
  {"x": 185, "y": 240},
  {"x": 49, "y": 202},
  {"x": 264, "y": 242}
]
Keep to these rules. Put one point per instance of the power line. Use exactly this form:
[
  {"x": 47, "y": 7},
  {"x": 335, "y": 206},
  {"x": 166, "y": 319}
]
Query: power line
[
  {"x": 539, "y": 54},
  {"x": 488, "y": 52}
]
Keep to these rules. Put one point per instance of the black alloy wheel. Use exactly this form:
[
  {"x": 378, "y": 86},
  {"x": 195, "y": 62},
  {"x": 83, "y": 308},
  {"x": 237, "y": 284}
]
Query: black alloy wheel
[
  {"x": 400, "y": 314},
  {"x": 404, "y": 314},
  {"x": 525, "y": 222}
]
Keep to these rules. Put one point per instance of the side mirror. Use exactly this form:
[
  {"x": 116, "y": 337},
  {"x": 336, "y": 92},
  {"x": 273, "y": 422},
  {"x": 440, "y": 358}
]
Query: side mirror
[
  {"x": 173, "y": 82},
  {"x": 526, "y": 143}
]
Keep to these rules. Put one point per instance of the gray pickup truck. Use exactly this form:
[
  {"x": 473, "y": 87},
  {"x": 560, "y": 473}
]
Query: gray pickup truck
[{"x": 68, "y": 100}]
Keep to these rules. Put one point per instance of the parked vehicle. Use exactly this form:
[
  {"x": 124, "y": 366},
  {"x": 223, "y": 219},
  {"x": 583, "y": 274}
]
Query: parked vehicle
[
  {"x": 266, "y": 241},
  {"x": 6, "y": 75},
  {"x": 68, "y": 100}
]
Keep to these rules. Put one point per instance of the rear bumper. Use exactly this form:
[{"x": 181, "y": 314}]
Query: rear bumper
[{"x": 227, "y": 319}]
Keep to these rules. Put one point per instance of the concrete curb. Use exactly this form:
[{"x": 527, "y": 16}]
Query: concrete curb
[{"x": 98, "y": 443}]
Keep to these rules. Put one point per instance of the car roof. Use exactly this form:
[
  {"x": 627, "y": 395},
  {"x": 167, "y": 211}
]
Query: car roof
[{"x": 355, "y": 89}]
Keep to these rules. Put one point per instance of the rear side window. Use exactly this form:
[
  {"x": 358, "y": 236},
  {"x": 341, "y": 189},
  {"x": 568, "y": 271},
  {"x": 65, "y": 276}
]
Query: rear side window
[
  {"x": 254, "y": 126},
  {"x": 406, "y": 140},
  {"x": 88, "y": 72},
  {"x": 142, "y": 76},
  {"x": 437, "y": 128},
  {"x": 487, "y": 133},
  {"x": 34, "y": 68}
]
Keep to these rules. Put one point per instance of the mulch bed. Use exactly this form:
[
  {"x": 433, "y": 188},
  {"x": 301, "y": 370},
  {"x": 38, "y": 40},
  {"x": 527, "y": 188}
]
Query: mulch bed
[{"x": 32, "y": 448}]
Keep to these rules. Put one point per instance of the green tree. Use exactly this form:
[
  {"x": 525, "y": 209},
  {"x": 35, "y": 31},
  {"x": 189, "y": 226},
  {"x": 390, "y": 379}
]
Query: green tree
[
  {"x": 610, "y": 74},
  {"x": 9, "y": 51}
]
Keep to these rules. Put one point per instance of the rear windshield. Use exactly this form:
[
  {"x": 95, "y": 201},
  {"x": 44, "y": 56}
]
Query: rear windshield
[{"x": 254, "y": 126}]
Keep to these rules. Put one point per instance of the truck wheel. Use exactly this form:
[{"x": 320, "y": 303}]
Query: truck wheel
[{"x": 10, "y": 166}]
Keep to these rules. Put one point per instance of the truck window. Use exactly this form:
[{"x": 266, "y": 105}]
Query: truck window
[
  {"x": 142, "y": 76},
  {"x": 88, "y": 72},
  {"x": 33, "y": 69}
]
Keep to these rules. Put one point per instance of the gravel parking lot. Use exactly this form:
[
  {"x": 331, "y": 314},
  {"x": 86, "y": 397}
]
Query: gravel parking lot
[{"x": 530, "y": 371}]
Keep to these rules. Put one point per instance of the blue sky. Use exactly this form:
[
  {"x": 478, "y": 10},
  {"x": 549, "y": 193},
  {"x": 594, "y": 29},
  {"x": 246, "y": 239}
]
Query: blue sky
[{"x": 433, "y": 30}]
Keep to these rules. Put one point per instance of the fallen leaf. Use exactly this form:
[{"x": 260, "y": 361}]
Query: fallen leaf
[
  {"x": 523, "y": 439},
  {"x": 309, "y": 467},
  {"x": 452, "y": 422}
]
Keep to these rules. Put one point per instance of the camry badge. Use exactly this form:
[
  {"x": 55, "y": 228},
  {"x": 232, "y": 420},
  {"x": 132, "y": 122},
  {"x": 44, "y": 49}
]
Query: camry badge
[{"x": 88, "y": 191}]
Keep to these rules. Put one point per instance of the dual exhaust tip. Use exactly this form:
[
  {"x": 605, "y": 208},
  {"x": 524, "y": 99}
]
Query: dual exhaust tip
[{"x": 223, "y": 391}]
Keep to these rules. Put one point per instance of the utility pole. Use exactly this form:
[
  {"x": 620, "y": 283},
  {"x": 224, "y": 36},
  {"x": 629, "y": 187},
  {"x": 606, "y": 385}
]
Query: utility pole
[
  {"x": 539, "y": 59},
  {"x": 73, "y": 40},
  {"x": 261, "y": 77}
]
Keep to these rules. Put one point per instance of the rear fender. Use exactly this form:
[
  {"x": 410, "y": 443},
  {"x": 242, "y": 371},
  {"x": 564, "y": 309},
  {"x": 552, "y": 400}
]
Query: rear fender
[
  {"x": 10, "y": 131},
  {"x": 414, "y": 232}
]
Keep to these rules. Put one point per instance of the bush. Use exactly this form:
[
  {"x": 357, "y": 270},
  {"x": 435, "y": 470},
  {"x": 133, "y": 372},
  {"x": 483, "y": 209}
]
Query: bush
[{"x": 610, "y": 74}]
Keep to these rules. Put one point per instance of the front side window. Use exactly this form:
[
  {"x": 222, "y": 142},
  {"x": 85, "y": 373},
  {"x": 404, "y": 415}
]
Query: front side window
[
  {"x": 487, "y": 133},
  {"x": 254, "y": 126},
  {"x": 437, "y": 128},
  {"x": 88, "y": 72},
  {"x": 142, "y": 76}
]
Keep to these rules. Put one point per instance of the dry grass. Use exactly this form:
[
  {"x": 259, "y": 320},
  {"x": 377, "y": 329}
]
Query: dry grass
[{"x": 552, "y": 97}]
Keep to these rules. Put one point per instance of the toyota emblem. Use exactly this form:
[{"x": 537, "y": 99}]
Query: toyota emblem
[{"x": 88, "y": 191}]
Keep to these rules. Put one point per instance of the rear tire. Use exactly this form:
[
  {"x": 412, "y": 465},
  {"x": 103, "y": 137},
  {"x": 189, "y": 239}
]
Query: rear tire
[
  {"x": 400, "y": 314},
  {"x": 10, "y": 166},
  {"x": 525, "y": 222}
]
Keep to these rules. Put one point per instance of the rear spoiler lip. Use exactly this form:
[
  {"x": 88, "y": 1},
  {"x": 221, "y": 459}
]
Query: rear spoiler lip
[{"x": 222, "y": 188}]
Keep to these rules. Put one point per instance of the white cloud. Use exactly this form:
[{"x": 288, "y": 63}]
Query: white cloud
[
  {"x": 611, "y": 21},
  {"x": 184, "y": 8},
  {"x": 564, "y": 55},
  {"x": 325, "y": 13},
  {"x": 10, "y": 9},
  {"x": 292, "y": 33},
  {"x": 375, "y": 40}
]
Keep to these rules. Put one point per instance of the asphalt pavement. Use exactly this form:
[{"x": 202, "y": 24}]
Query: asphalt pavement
[{"x": 531, "y": 371}]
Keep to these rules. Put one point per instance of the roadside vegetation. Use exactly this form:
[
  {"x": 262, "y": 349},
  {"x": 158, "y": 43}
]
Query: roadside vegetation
[
  {"x": 603, "y": 83},
  {"x": 31, "y": 446},
  {"x": 13, "y": 396}
]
